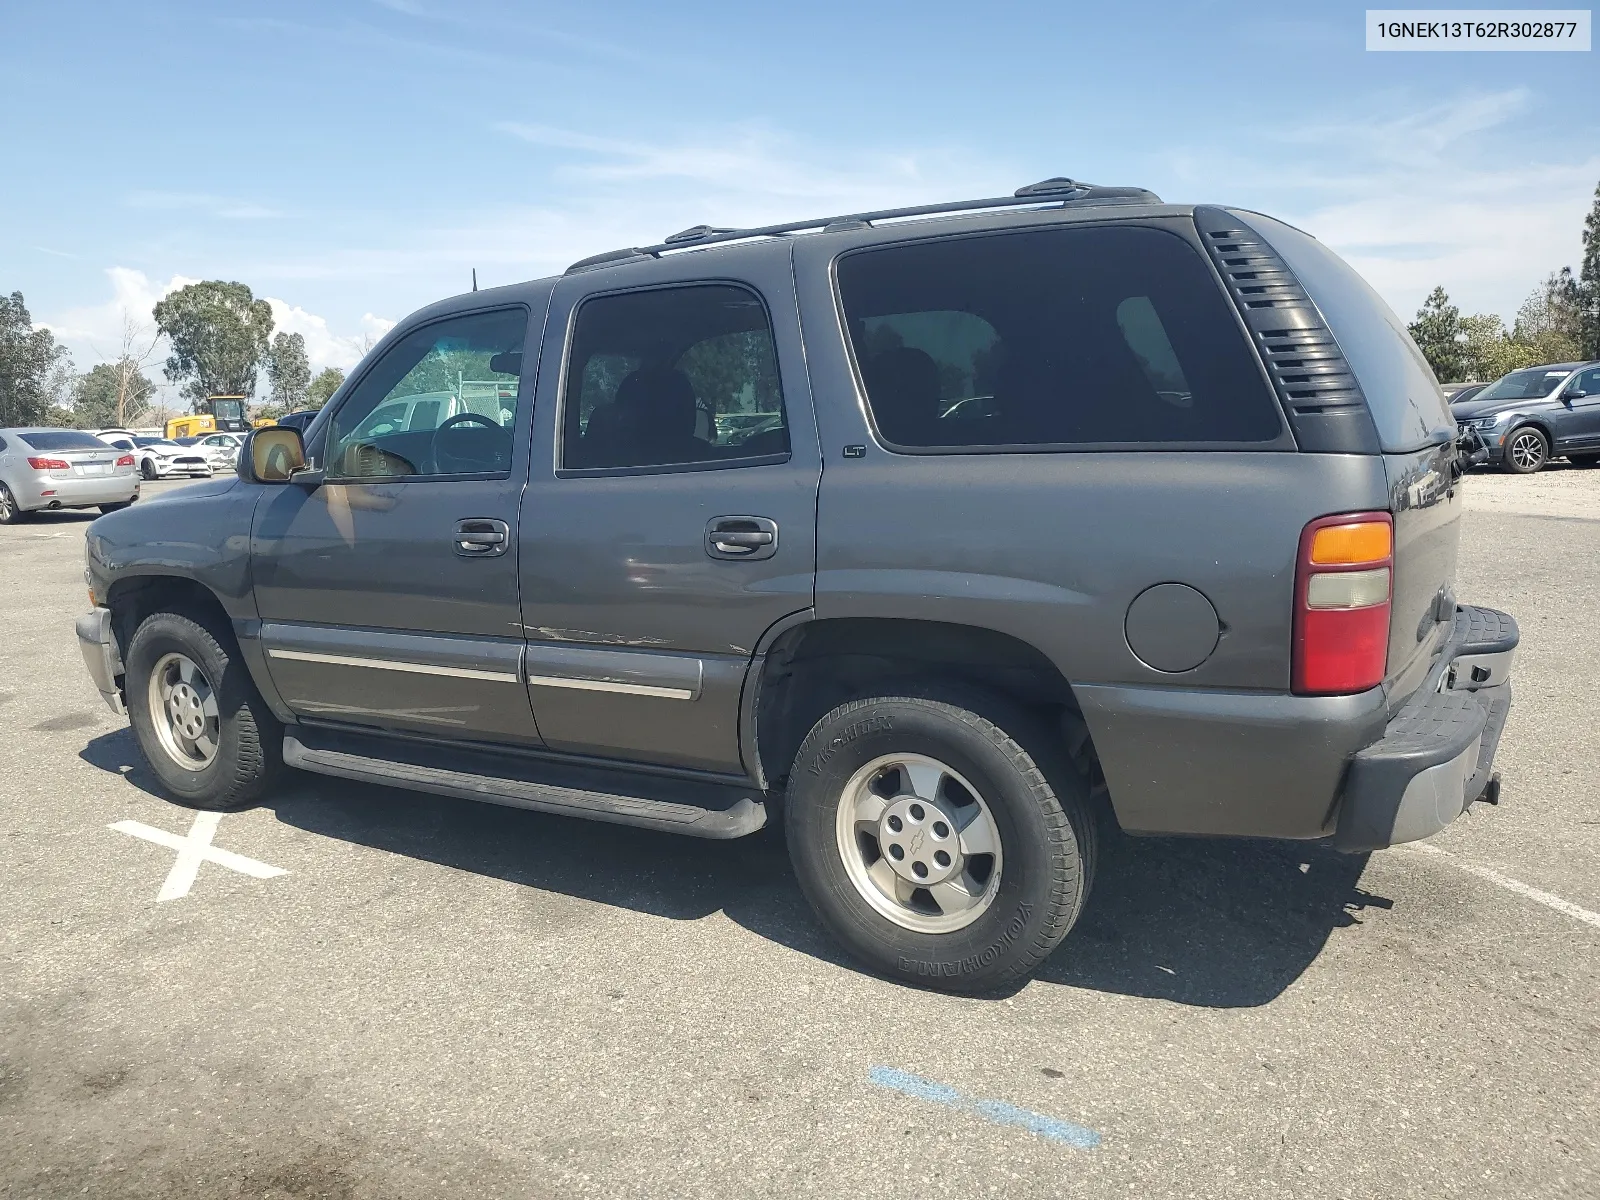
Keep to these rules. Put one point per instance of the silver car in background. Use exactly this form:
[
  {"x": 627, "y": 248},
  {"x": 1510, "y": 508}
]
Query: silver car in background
[{"x": 62, "y": 468}]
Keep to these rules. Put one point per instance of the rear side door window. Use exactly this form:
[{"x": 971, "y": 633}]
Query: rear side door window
[
  {"x": 1056, "y": 338},
  {"x": 673, "y": 378}
]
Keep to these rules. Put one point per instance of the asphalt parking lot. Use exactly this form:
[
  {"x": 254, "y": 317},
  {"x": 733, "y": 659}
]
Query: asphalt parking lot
[{"x": 437, "y": 998}]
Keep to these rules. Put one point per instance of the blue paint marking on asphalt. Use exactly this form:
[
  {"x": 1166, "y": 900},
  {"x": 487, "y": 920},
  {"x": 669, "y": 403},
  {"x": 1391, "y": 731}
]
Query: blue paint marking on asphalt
[{"x": 997, "y": 1111}]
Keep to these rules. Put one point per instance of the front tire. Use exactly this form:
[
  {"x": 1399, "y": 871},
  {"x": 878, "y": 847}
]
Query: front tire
[
  {"x": 933, "y": 844},
  {"x": 148, "y": 469},
  {"x": 1527, "y": 450},
  {"x": 199, "y": 720}
]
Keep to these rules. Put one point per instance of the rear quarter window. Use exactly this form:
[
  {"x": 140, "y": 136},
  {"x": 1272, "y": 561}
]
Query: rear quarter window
[
  {"x": 1051, "y": 338},
  {"x": 1404, "y": 397}
]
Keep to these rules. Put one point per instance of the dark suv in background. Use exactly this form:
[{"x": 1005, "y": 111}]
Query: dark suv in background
[
  {"x": 1538, "y": 413},
  {"x": 947, "y": 533}
]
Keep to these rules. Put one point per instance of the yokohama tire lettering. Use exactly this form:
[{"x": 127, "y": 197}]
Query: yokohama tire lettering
[
  {"x": 851, "y": 733},
  {"x": 973, "y": 963}
]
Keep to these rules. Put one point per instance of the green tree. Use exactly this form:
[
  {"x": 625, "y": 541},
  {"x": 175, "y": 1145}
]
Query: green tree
[
  {"x": 324, "y": 385},
  {"x": 1488, "y": 350},
  {"x": 1437, "y": 332},
  {"x": 111, "y": 394},
  {"x": 1588, "y": 285},
  {"x": 219, "y": 334},
  {"x": 1548, "y": 321},
  {"x": 288, "y": 371},
  {"x": 27, "y": 358}
]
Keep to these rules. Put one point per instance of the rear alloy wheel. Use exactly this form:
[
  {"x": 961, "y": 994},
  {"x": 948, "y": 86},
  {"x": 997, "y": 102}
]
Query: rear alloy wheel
[
  {"x": 10, "y": 512},
  {"x": 201, "y": 724},
  {"x": 1526, "y": 450},
  {"x": 933, "y": 845}
]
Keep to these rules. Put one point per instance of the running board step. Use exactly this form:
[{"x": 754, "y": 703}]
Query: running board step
[{"x": 530, "y": 783}]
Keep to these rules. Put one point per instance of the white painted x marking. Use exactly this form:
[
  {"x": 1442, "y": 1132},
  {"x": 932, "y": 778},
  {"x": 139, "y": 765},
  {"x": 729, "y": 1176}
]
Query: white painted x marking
[{"x": 192, "y": 851}]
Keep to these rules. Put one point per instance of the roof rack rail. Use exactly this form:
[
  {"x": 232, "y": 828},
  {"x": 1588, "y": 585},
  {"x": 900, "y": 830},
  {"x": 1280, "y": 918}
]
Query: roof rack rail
[{"x": 1057, "y": 190}]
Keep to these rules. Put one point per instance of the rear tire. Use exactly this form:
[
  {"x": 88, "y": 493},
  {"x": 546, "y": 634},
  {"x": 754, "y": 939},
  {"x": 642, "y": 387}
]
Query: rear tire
[
  {"x": 991, "y": 859},
  {"x": 1527, "y": 450},
  {"x": 199, "y": 720},
  {"x": 10, "y": 512},
  {"x": 1583, "y": 460},
  {"x": 117, "y": 507}
]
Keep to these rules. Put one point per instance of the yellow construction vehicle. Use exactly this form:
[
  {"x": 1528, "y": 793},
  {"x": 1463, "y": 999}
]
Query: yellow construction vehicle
[{"x": 211, "y": 414}]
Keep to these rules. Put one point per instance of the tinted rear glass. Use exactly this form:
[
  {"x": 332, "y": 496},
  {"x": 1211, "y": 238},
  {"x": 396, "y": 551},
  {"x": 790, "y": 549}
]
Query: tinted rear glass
[
  {"x": 62, "y": 439},
  {"x": 1052, "y": 337},
  {"x": 1407, "y": 405}
]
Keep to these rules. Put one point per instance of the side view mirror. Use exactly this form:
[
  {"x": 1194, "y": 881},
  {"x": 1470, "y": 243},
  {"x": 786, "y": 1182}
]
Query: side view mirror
[
  {"x": 272, "y": 454},
  {"x": 1578, "y": 394}
]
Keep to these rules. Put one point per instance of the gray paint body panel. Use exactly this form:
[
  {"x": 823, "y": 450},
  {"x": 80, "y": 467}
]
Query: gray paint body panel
[{"x": 1257, "y": 764}]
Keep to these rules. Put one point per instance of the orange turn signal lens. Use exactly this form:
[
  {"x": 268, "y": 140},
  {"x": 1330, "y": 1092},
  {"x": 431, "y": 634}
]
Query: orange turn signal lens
[{"x": 1358, "y": 542}]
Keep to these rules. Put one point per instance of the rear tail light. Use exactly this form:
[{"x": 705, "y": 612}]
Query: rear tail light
[
  {"x": 49, "y": 464},
  {"x": 1344, "y": 582},
  {"x": 125, "y": 461}
]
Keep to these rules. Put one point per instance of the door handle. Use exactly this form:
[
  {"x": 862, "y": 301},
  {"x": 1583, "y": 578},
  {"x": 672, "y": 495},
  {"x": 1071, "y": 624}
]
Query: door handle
[
  {"x": 481, "y": 537},
  {"x": 741, "y": 537}
]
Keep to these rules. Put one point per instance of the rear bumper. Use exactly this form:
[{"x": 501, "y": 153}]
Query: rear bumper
[
  {"x": 37, "y": 491},
  {"x": 1341, "y": 768},
  {"x": 1436, "y": 755},
  {"x": 101, "y": 656}
]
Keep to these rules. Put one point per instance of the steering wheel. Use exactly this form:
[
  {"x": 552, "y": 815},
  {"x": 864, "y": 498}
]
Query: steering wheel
[{"x": 461, "y": 464}]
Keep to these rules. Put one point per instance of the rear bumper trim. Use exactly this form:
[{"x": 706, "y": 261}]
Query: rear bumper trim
[{"x": 1435, "y": 758}]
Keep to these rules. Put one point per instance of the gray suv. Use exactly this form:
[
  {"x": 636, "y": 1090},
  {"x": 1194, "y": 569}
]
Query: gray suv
[{"x": 948, "y": 536}]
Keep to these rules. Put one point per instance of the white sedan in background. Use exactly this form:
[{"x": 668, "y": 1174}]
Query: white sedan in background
[{"x": 159, "y": 458}]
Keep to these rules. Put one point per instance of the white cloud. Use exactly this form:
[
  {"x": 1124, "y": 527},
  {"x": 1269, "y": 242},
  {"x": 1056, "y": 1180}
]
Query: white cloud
[
  {"x": 133, "y": 294},
  {"x": 1439, "y": 193},
  {"x": 324, "y": 347},
  {"x": 94, "y": 333}
]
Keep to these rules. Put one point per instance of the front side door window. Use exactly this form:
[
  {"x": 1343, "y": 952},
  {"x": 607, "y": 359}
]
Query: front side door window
[{"x": 443, "y": 401}]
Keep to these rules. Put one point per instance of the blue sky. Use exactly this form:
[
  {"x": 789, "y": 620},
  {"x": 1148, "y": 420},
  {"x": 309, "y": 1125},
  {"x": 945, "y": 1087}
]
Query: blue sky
[{"x": 355, "y": 160}]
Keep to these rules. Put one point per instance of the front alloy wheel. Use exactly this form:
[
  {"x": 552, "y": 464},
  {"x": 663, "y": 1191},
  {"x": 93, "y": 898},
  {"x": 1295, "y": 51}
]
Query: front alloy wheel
[
  {"x": 199, "y": 720},
  {"x": 183, "y": 708},
  {"x": 1526, "y": 450}
]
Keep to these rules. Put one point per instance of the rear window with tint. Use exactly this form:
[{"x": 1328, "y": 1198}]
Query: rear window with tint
[
  {"x": 1407, "y": 405},
  {"x": 1052, "y": 337},
  {"x": 62, "y": 439}
]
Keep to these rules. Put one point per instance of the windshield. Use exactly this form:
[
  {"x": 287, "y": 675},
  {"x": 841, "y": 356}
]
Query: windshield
[
  {"x": 62, "y": 439},
  {"x": 161, "y": 443},
  {"x": 1524, "y": 385}
]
